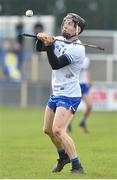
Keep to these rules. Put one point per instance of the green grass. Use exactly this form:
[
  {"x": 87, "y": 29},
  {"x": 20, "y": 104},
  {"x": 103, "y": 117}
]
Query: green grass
[{"x": 26, "y": 153}]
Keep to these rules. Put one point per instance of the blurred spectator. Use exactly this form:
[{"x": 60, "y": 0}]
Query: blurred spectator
[
  {"x": 19, "y": 32},
  {"x": 10, "y": 61},
  {"x": 38, "y": 27},
  {"x": 20, "y": 44}
]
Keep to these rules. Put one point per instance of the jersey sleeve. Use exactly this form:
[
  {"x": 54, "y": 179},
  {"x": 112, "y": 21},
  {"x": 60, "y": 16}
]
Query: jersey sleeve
[{"x": 75, "y": 53}]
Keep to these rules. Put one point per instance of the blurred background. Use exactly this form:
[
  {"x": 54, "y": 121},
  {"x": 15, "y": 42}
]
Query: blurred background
[{"x": 25, "y": 75}]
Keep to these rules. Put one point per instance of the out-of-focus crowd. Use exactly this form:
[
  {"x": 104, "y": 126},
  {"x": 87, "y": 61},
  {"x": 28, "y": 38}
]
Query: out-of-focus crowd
[{"x": 12, "y": 54}]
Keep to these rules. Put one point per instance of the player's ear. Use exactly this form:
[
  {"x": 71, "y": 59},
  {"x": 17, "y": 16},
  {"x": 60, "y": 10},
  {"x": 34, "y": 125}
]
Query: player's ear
[{"x": 78, "y": 29}]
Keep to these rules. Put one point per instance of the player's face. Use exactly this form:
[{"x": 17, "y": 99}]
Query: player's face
[{"x": 68, "y": 27}]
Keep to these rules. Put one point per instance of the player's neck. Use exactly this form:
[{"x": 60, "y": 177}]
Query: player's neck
[{"x": 73, "y": 38}]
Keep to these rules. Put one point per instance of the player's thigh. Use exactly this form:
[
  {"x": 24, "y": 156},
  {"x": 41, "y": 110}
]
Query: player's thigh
[
  {"x": 87, "y": 100},
  {"x": 48, "y": 119},
  {"x": 62, "y": 117}
]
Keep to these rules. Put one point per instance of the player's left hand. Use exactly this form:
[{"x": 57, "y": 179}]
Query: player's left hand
[{"x": 47, "y": 39}]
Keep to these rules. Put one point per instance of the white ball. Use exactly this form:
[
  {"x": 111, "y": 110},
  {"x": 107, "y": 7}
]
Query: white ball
[{"x": 29, "y": 13}]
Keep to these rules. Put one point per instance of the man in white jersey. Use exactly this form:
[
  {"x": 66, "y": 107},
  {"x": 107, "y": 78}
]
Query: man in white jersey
[
  {"x": 66, "y": 59},
  {"x": 85, "y": 83}
]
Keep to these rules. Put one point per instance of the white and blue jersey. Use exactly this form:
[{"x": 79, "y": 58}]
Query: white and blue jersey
[
  {"x": 84, "y": 81},
  {"x": 65, "y": 81}
]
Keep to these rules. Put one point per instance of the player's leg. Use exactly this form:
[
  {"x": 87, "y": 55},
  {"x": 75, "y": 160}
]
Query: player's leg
[
  {"x": 88, "y": 103},
  {"x": 62, "y": 118},
  {"x": 47, "y": 128},
  {"x": 69, "y": 128},
  {"x": 86, "y": 113}
]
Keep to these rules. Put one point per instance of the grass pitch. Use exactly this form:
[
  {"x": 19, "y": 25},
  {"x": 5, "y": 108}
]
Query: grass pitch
[{"x": 26, "y": 153}]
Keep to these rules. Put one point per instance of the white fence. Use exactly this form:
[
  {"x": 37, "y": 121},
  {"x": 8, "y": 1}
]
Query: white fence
[{"x": 8, "y": 24}]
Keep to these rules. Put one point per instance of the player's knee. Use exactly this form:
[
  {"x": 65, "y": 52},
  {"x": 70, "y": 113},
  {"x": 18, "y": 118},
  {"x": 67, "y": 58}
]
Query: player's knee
[
  {"x": 56, "y": 131},
  {"x": 47, "y": 131},
  {"x": 89, "y": 106}
]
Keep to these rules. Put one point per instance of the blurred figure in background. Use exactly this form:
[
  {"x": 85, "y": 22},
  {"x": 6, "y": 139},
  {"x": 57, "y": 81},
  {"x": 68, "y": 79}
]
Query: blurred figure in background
[
  {"x": 20, "y": 44},
  {"x": 38, "y": 28},
  {"x": 10, "y": 61},
  {"x": 85, "y": 84}
]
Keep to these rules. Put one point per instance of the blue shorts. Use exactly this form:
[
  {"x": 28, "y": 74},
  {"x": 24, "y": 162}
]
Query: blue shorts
[
  {"x": 67, "y": 102},
  {"x": 84, "y": 89}
]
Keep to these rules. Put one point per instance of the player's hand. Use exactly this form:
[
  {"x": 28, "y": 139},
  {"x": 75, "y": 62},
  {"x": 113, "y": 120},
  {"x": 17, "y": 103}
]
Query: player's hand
[{"x": 47, "y": 39}]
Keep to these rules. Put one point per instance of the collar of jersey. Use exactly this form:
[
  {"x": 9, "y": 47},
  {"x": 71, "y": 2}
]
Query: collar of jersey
[{"x": 70, "y": 41}]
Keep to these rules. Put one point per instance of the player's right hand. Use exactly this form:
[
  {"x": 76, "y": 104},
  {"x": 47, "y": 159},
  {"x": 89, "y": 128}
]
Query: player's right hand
[{"x": 47, "y": 39}]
